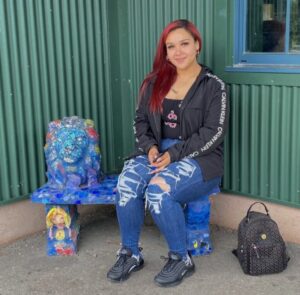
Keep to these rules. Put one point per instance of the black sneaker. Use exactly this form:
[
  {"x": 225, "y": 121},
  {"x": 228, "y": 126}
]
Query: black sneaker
[
  {"x": 175, "y": 270},
  {"x": 125, "y": 264}
]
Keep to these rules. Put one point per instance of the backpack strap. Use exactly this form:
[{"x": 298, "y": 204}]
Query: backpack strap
[{"x": 248, "y": 212}]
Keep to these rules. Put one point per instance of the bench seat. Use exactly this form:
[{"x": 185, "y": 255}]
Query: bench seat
[
  {"x": 102, "y": 193},
  {"x": 62, "y": 240}
]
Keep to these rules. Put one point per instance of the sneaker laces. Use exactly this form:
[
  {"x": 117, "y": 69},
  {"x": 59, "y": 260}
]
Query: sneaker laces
[
  {"x": 170, "y": 264},
  {"x": 121, "y": 259}
]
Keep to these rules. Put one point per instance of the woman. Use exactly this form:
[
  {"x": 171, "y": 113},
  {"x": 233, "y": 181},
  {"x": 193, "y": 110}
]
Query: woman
[{"x": 179, "y": 127}]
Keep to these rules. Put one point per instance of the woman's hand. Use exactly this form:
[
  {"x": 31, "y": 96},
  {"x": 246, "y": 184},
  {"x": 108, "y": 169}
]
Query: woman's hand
[
  {"x": 153, "y": 154},
  {"x": 161, "y": 162}
]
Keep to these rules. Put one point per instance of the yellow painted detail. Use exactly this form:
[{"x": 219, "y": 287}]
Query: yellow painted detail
[
  {"x": 195, "y": 244},
  {"x": 89, "y": 123},
  {"x": 97, "y": 149},
  {"x": 60, "y": 235}
]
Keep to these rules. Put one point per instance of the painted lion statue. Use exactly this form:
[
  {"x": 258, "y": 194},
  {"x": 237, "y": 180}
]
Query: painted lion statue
[{"x": 72, "y": 153}]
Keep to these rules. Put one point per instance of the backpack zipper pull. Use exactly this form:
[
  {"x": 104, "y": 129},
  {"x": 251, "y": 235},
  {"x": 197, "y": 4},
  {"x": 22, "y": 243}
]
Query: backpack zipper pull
[{"x": 256, "y": 250}]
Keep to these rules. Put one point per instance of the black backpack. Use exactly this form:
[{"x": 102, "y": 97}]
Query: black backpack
[{"x": 261, "y": 249}]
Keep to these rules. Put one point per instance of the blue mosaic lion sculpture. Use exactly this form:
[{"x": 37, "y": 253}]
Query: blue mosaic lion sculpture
[{"x": 72, "y": 153}]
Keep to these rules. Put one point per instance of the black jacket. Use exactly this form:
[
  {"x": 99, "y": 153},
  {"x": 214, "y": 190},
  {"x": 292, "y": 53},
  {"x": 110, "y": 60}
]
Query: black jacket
[{"x": 203, "y": 120}]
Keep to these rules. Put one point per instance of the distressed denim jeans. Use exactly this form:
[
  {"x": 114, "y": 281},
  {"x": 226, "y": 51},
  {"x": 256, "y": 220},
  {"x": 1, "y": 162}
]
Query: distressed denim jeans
[{"x": 164, "y": 193}]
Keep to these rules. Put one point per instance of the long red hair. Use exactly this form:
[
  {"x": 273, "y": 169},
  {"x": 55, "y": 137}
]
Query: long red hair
[{"x": 163, "y": 71}]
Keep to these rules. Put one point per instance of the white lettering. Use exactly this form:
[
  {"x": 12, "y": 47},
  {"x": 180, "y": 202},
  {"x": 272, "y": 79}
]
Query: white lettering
[
  {"x": 223, "y": 109},
  {"x": 218, "y": 79},
  {"x": 213, "y": 140},
  {"x": 222, "y": 114},
  {"x": 193, "y": 155}
]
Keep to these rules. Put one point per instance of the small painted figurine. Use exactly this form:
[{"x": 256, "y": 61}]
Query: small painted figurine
[
  {"x": 58, "y": 222},
  {"x": 62, "y": 231}
]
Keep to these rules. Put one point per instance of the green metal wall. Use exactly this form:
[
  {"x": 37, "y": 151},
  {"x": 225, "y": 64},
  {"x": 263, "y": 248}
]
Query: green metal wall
[
  {"x": 263, "y": 144},
  {"x": 54, "y": 62},
  {"x": 262, "y": 148},
  {"x": 88, "y": 58}
]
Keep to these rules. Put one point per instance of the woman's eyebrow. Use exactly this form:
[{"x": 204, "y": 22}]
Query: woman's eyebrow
[{"x": 187, "y": 39}]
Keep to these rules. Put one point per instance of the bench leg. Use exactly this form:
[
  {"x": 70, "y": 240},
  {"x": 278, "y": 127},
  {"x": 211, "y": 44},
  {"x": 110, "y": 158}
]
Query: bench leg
[
  {"x": 197, "y": 215},
  {"x": 62, "y": 229}
]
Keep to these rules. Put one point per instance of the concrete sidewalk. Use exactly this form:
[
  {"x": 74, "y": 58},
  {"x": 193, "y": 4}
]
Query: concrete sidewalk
[{"x": 25, "y": 269}]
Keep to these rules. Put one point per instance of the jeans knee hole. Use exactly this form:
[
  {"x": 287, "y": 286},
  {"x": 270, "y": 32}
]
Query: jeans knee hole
[{"x": 161, "y": 182}]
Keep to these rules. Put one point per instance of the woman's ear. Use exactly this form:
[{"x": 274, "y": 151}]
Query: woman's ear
[{"x": 197, "y": 45}]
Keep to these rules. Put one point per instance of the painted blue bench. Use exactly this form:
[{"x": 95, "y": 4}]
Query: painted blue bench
[
  {"x": 197, "y": 216},
  {"x": 61, "y": 205}
]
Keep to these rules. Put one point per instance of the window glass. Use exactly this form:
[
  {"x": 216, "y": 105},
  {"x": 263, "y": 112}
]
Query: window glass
[
  {"x": 265, "y": 26},
  {"x": 267, "y": 34},
  {"x": 295, "y": 27}
]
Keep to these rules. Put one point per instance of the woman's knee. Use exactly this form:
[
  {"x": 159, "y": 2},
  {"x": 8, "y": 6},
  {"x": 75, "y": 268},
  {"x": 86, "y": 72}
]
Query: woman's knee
[
  {"x": 161, "y": 183},
  {"x": 131, "y": 183},
  {"x": 157, "y": 194}
]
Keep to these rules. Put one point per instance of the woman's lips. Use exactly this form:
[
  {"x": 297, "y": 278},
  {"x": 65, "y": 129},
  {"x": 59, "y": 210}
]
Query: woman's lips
[{"x": 180, "y": 60}]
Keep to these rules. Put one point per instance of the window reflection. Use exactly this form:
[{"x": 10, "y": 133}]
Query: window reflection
[
  {"x": 295, "y": 27},
  {"x": 266, "y": 20},
  {"x": 266, "y": 26},
  {"x": 273, "y": 32}
]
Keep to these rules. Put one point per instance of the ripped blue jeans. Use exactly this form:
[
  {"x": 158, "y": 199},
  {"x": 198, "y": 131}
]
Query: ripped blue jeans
[{"x": 165, "y": 193}]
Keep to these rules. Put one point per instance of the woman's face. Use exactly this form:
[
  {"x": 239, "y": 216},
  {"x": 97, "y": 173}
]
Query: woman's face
[
  {"x": 181, "y": 49},
  {"x": 58, "y": 220}
]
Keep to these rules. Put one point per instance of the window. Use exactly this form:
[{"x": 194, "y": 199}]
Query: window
[{"x": 268, "y": 34}]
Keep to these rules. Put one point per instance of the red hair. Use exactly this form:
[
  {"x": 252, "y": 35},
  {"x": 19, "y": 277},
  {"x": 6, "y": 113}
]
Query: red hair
[{"x": 163, "y": 71}]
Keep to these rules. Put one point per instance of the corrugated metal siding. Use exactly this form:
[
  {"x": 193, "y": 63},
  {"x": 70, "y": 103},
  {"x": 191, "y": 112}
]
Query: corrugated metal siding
[
  {"x": 54, "y": 62},
  {"x": 263, "y": 144}
]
